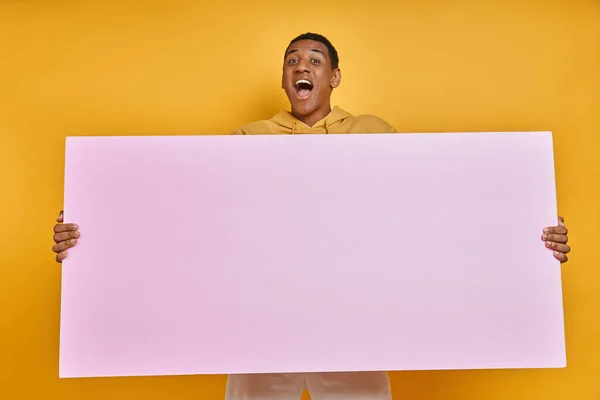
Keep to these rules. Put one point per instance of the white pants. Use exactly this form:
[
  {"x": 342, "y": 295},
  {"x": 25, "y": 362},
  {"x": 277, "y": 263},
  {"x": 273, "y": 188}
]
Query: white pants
[{"x": 321, "y": 386}]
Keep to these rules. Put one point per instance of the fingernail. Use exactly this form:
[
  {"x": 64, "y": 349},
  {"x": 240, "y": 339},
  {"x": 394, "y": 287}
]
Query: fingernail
[
  {"x": 546, "y": 230},
  {"x": 75, "y": 226},
  {"x": 64, "y": 253},
  {"x": 548, "y": 244},
  {"x": 556, "y": 253},
  {"x": 74, "y": 241},
  {"x": 545, "y": 237},
  {"x": 77, "y": 234}
]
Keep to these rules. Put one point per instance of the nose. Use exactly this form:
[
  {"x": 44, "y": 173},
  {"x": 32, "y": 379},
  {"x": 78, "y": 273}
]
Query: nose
[{"x": 303, "y": 66}]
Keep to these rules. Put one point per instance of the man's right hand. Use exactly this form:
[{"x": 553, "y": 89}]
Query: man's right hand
[{"x": 65, "y": 237}]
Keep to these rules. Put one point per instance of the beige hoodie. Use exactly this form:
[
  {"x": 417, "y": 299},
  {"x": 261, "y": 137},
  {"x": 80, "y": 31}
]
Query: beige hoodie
[{"x": 338, "y": 121}]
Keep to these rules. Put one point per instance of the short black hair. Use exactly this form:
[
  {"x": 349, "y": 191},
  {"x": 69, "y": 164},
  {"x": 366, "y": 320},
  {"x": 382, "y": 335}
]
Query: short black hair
[{"x": 333, "y": 54}]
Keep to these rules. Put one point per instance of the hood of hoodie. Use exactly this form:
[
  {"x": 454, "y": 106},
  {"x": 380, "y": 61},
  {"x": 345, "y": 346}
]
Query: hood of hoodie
[{"x": 336, "y": 117}]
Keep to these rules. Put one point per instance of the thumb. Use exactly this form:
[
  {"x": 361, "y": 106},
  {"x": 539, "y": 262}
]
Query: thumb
[
  {"x": 561, "y": 221},
  {"x": 60, "y": 216}
]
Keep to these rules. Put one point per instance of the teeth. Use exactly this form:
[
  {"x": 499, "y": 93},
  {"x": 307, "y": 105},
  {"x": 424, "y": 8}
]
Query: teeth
[{"x": 303, "y": 81}]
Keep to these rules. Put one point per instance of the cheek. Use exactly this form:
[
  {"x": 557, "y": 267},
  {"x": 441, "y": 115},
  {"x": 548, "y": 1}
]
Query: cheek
[
  {"x": 325, "y": 89},
  {"x": 326, "y": 81}
]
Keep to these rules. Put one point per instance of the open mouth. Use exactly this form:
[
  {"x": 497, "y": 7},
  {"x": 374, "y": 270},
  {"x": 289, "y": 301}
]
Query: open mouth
[{"x": 303, "y": 88}]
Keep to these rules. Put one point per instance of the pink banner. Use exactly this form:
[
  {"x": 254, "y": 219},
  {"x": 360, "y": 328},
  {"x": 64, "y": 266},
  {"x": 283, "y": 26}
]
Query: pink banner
[{"x": 281, "y": 253}]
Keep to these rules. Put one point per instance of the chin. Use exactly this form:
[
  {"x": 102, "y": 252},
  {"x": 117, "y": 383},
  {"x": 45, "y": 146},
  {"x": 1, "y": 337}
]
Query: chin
[{"x": 303, "y": 109}]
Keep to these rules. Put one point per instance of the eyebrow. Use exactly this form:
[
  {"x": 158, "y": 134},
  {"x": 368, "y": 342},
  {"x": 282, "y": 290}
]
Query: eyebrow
[{"x": 296, "y": 50}]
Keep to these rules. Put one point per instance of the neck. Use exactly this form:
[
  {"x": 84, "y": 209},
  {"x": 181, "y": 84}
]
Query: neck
[{"x": 314, "y": 117}]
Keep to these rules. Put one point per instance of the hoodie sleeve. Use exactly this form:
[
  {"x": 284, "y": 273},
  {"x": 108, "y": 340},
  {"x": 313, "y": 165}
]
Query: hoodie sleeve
[
  {"x": 387, "y": 127},
  {"x": 373, "y": 124}
]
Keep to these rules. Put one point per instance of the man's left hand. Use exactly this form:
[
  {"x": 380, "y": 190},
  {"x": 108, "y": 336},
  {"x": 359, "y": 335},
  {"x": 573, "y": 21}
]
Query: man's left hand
[{"x": 556, "y": 239}]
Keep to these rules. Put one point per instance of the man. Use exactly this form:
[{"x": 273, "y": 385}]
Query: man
[{"x": 310, "y": 73}]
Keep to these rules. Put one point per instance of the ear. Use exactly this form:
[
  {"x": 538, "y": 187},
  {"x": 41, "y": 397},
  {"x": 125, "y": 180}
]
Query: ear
[{"x": 336, "y": 79}]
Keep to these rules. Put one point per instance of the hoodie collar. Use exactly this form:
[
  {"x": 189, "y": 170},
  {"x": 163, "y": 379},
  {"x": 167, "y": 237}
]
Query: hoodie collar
[{"x": 287, "y": 120}]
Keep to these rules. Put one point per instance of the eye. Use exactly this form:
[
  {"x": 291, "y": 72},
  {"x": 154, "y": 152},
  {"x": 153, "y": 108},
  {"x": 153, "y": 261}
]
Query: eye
[
  {"x": 293, "y": 61},
  {"x": 315, "y": 61}
]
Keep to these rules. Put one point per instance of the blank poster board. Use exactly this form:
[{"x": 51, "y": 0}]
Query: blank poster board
[{"x": 310, "y": 253}]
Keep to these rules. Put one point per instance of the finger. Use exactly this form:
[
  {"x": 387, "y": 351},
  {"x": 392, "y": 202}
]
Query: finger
[
  {"x": 555, "y": 238},
  {"x": 65, "y": 227},
  {"x": 561, "y": 257},
  {"x": 63, "y": 236},
  {"x": 560, "y": 230},
  {"x": 563, "y": 248},
  {"x": 60, "y": 216},
  {"x": 62, "y": 246},
  {"x": 561, "y": 221},
  {"x": 61, "y": 256}
]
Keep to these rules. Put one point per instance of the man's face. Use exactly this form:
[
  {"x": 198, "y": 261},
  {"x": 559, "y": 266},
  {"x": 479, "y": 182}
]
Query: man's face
[{"x": 308, "y": 78}]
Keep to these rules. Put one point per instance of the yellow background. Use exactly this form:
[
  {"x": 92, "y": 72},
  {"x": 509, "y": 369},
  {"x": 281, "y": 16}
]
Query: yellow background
[{"x": 186, "y": 67}]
